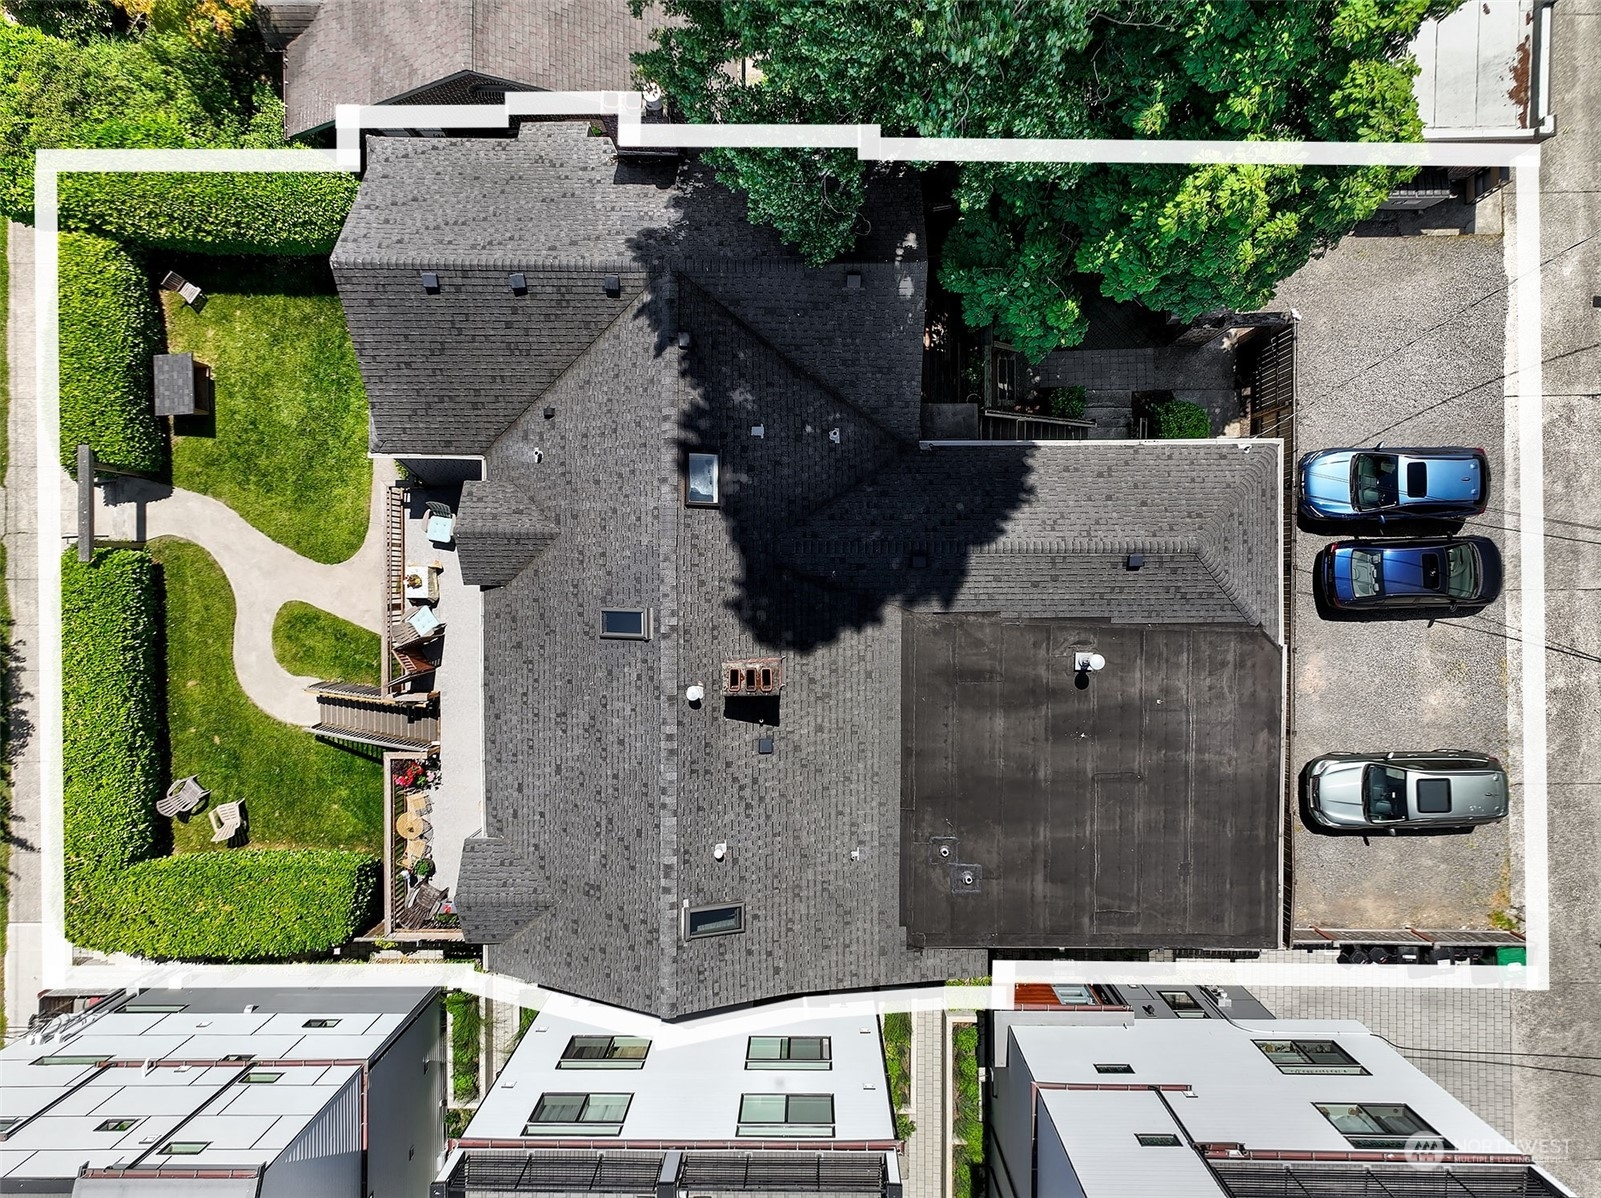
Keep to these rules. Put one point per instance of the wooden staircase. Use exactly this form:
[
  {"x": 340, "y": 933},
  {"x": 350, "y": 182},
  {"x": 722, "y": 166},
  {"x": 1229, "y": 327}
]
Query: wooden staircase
[{"x": 361, "y": 714}]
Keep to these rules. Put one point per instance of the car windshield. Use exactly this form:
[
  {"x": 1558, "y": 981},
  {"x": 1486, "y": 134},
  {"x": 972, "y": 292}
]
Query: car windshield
[
  {"x": 1385, "y": 791},
  {"x": 1462, "y": 572},
  {"x": 1374, "y": 481},
  {"x": 1365, "y": 576}
]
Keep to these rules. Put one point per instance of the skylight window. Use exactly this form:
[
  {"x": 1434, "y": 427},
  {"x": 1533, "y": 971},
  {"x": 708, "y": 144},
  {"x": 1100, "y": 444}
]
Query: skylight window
[
  {"x": 604, "y": 1052},
  {"x": 701, "y": 481},
  {"x": 1152, "y": 1139},
  {"x": 320, "y": 1023},
  {"x": 62, "y": 1058},
  {"x": 722, "y": 920},
  {"x": 152, "y": 1008},
  {"x": 260, "y": 1077},
  {"x": 117, "y": 1125},
  {"x": 185, "y": 1147},
  {"x": 625, "y": 624},
  {"x": 789, "y": 1052},
  {"x": 773, "y": 1115},
  {"x": 587, "y": 1114}
]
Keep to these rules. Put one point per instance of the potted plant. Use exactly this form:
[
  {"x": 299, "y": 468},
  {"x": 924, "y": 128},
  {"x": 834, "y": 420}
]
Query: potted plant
[{"x": 424, "y": 869}]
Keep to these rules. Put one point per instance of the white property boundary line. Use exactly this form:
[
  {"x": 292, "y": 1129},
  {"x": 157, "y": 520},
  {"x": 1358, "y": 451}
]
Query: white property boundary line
[{"x": 58, "y": 969}]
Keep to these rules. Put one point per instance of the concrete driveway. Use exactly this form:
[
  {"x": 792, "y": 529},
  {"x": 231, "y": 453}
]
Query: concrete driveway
[{"x": 1401, "y": 340}]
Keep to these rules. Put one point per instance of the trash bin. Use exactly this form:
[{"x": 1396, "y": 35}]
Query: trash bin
[{"x": 1511, "y": 954}]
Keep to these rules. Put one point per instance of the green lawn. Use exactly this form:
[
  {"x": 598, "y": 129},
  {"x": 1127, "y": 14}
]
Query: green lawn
[
  {"x": 290, "y": 433},
  {"x": 309, "y": 641},
  {"x": 299, "y": 792}
]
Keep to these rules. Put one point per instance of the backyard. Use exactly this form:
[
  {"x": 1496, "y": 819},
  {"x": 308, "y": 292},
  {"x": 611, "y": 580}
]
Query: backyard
[
  {"x": 298, "y": 791},
  {"x": 313, "y": 643},
  {"x": 287, "y": 446}
]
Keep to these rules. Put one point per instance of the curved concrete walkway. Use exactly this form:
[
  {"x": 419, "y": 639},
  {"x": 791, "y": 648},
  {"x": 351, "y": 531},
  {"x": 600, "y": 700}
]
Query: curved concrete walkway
[{"x": 264, "y": 575}]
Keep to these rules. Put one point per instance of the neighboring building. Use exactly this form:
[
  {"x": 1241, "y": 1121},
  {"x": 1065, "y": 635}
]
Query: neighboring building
[
  {"x": 701, "y": 460},
  {"x": 1193, "y": 1092},
  {"x": 268, "y": 1093},
  {"x": 1484, "y": 72},
  {"x": 803, "y": 1110},
  {"x": 445, "y": 51}
]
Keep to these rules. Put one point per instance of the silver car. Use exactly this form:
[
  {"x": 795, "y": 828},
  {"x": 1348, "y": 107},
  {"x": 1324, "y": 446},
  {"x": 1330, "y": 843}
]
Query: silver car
[{"x": 1439, "y": 790}]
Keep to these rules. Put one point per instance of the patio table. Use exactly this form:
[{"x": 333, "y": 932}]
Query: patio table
[
  {"x": 411, "y": 826},
  {"x": 426, "y": 587}
]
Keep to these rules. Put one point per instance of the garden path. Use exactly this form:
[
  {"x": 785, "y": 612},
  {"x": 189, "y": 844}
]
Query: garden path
[{"x": 264, "y": 575}]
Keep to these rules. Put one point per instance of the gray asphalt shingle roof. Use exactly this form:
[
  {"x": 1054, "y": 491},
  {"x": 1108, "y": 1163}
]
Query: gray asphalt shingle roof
[
  {"x": 605, "y": 791},
  {"x": 373, "y": 51}
]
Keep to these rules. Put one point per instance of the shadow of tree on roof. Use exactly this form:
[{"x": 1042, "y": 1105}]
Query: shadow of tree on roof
[{"x": 822, "y": 534}]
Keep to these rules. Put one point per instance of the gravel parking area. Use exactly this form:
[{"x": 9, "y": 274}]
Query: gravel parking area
[{"x": 1401, "y": 340}]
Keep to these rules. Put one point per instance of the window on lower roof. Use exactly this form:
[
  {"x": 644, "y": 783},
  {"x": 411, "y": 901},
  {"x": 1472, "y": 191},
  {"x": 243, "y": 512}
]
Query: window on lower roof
[
  {"x": 1183, "y": 1004},
  {"x": 1378, "y": 1124},
  {"x": 117, "y": 1125},
  {"x": 789, "y": 1052},
  {"x": 775, "y": 1115},
  {"x": 720, "y": 920},
  {"x": 604, "y": 1052},
  {"x": 8, "y": 1123},
  {"x": 184, "y": 1147},
  {"x": 625, "y": 623},
  {"x": 1114, "y": 1068},
  {"x": 320, "y": 1023},
  {"x": 260, "y": 1077},
  {"x": 589, "y": 1114},
  {"x": 1309, "y": 1056},
  {"x": 1157, "y": 1139},
  {"x": 64, "y": 1058}
]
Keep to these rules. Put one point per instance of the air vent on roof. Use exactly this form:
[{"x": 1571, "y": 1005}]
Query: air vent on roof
[
  {"x": 683, "y": 338},
  {"x": 614, "y": 286},
  {"x": 764, "y": 745},
  {"x": 518, "y": 284},
  {"x": 1134, "y": 561},
  {"x": 430, "y": 282},
  {"x": 550, "y": 413},
  {"x": 967, "y": 879},
  {"x": 853, "y": 281}
]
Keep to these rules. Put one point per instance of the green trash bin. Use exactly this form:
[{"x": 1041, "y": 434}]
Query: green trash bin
[{"x": 1511, "y": 954}]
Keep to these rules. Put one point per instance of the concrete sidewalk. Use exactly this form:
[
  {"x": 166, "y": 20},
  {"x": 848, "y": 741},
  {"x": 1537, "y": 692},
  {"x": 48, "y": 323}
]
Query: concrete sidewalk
[
  {"x": 928, "y": 1149},
  {"x": 24, "y": 962},
  {"x": 264, "y": 575}
]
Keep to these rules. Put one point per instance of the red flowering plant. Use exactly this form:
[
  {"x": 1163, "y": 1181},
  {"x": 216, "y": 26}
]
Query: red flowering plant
[{"x": 408, "y": 776}]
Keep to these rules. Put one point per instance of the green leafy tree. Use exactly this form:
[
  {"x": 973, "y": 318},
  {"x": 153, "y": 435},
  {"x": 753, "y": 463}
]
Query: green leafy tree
[
  {"x": 157, "y": 91},
  {"x": 1185, "y": 239}
]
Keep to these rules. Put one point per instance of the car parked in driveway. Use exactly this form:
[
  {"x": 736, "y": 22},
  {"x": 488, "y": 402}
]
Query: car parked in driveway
[
  {"x": 1393, "y": 484},
  {"x": 1440, "y": 790},
  {"x": 1422, "y": 576}
]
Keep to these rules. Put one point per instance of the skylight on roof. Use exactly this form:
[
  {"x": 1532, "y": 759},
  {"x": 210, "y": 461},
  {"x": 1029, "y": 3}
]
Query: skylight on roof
[
  {"x": 701, "y": 481},
  {"x": 625, "y": 623}
]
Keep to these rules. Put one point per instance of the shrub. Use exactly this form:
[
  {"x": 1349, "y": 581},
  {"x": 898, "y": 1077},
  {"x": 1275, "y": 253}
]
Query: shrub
[
  {"x": 244, "y": 213},
  {"x": 242, "y": 905},
  {"x": 1067, "y": 403},
  {"x": 1178, "y": 419},
  {"x": 155, "y": 91},
  {"x": 110, "y": 328},
  {"x": 466, "y": 1024},
  {"x": 111, "y": 715}
]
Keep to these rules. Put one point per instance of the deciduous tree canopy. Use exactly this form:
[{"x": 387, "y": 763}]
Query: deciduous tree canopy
[{"x": 1180, "y": 239}]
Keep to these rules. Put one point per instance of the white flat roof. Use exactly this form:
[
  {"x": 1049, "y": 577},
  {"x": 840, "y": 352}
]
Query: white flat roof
[{"x": 690, "y": 1092}]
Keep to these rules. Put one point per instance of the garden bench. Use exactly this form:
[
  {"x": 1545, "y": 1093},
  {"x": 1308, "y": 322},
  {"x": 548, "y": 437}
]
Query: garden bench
[{"x": 182, "y": 796}]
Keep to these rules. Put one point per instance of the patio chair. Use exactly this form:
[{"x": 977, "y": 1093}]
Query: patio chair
[
  {"x": 192, "y": 295},
  {"x": 416, "y": 850},
  {"x": 441, "y": 527},
  {"x": 418, "y": 804},
  {"x": 425, "y": 622},
  {"x": 182, "y": 796},
  {"x": 227, "y": 820}
]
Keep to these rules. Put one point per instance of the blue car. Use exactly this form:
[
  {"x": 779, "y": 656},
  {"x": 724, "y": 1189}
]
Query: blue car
[
  {"x": 1444, "y": 572},
  {"x": 1394, "y": 484}
]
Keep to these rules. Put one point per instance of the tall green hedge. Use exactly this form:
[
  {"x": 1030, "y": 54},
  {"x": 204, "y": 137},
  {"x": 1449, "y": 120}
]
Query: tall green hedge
[
  {"x": 110, "y": 328},
  {"x": 244, "y": 905},
  {"x": 111, "y": 714},
  {"x": 1180, "y": 420},
  {"x": 296, "y": 215}
]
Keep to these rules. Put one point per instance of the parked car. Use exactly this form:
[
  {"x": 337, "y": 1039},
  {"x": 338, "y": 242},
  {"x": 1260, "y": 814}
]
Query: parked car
[
  {"x": 1445, "y": 789},
  {"x": 1393, "y": 484},
  {"x": 1418, "y": 575}
]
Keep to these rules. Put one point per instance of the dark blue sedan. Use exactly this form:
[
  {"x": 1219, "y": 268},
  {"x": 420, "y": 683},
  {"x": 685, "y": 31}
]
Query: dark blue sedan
[
  {"x": 1446, "y": 572},
  {"x": 1396, "y": 484}
]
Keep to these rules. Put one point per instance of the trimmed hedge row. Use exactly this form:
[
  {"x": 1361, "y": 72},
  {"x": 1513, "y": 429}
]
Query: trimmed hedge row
[
  {"x": 1179, "y": 420},
  {"x": 110, "y": 328},
  {"x": 240, "y": 905},
  {"x": 111, "y": 715},
  {"x": 296, "y": 215}
]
